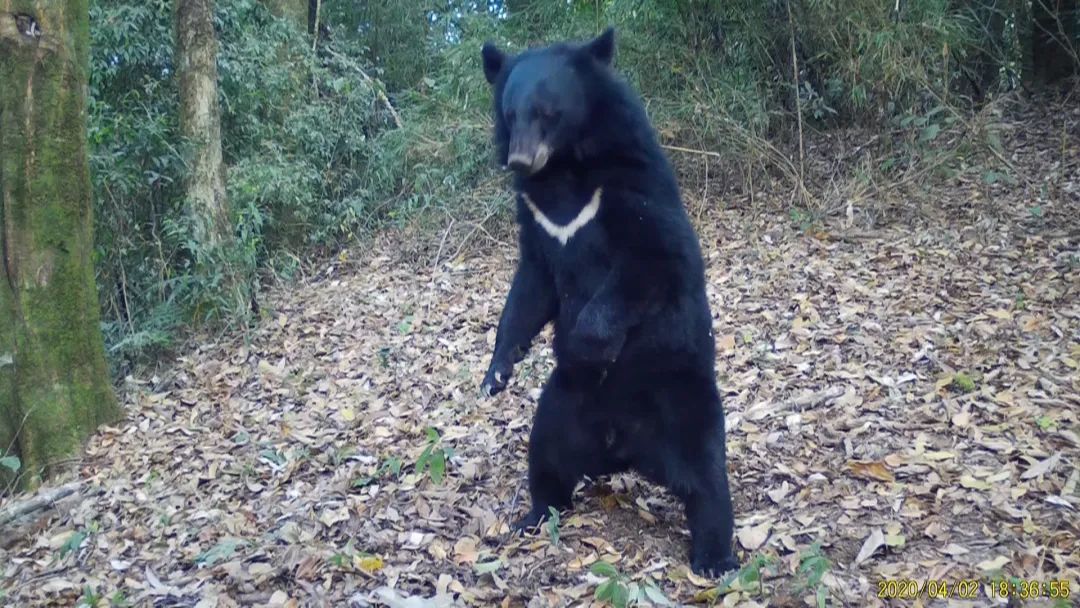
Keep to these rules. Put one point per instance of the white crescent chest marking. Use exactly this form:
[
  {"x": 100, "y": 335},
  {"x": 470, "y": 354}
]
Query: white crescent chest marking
[{"x": 564, "y": 233}]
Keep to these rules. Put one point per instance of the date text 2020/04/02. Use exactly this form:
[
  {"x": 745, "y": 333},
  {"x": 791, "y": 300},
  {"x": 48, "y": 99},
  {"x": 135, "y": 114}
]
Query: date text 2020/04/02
[{"x": 973, "y": 589}]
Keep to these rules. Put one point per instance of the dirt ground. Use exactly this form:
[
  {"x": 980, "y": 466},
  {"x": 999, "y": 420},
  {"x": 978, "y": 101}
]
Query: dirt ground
[{"x": 903, "y": 405}]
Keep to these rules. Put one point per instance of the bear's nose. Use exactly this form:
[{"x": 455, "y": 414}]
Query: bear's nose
[
  {"x": 520, "y": 162},
  {"x": 531, "y": 161}
]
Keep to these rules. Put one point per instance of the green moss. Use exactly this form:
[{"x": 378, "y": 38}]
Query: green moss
[
  {"x": 57, "y": 390},
  {"x": 963, "y": 382}
]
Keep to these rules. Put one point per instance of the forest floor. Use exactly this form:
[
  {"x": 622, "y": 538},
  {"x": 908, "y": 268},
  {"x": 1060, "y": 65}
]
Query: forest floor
[{"x": 903, "y": 405}]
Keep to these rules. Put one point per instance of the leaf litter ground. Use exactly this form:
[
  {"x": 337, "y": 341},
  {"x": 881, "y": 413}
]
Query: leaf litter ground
[{"x": 906, "y": 399}]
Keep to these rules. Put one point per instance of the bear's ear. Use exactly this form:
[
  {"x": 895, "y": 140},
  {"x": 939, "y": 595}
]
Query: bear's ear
[
  {"x": 602, "y": 48},
  {"x": 494, "y": 60}
]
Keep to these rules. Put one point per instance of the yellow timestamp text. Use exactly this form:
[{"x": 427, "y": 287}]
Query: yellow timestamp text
[
  {"x": 937, "y": 589},
  {"x": 1029, "y": 589}
]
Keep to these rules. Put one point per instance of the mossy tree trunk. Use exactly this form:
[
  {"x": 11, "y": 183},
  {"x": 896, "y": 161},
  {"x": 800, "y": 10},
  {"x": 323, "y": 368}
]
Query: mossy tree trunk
[
  {"x": 200, "y": 124},
  {"x": 54, "y": 383}
]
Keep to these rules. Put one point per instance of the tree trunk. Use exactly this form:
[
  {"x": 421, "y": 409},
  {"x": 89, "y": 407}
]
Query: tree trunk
[
  {"x": 1054, "y": 39},
  {"x": 54, "y": 383},
  {"x": 200, "y": 124}
]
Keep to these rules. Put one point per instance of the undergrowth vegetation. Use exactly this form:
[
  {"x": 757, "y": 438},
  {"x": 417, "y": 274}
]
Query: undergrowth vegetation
[{"x": 383, "y": 119}]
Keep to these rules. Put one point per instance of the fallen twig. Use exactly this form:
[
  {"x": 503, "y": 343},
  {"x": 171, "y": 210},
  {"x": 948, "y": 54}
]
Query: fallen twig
[
  {"x": 45, "y": 499},
  {"x": 690, "y": 150}
]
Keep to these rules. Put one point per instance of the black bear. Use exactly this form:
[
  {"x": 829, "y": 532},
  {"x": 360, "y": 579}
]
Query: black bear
[{"x": 608, "y": 253}]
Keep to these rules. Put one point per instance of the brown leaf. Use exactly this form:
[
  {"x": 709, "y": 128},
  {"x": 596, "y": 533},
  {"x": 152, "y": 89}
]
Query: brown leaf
[{"x": 876, "y": 470}]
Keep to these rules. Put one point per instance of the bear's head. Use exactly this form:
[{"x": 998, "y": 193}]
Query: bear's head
[{"x": 543, "y": 99}]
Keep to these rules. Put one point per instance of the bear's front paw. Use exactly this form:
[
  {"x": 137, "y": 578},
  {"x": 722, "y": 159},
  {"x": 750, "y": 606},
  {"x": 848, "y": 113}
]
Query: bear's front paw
[
  {"x": 529, "y": 522},
  {"x": 495, "y": 380},
  {"x": 714, "y": 567}
]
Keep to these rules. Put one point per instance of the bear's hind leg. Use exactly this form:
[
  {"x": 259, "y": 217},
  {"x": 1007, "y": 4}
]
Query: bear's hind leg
[
  {"x": 690, "y": 459},
  {"x": 559, "y": 450},
  {"x": 711, "y": 521}
]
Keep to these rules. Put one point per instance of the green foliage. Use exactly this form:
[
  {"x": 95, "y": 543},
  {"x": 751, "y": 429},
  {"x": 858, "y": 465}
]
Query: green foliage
[
  {"x": 89, "y": 598},
  {"x": 553, "y": 525},
  {"x": 619, "y": 592},
  {"x": 316, "y": 159},
  {"x": 964, "y": 382},
  {"x": 119, "y": 599},
  {"x": 434, "y": 457},
  {"x": 391, "y": 467},
  {"x": 295, "y": 126},
  {"x": 72, "y": 544},
  {"x": 488, "y": 567},
  {"x": 813, "y": 564},
  {"x": 222, "y": 551},
  {"x": 11, "y": 463}
]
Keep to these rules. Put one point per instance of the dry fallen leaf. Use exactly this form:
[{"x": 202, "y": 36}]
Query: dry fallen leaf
[
  {"x": 872, "y": 543},
  {"x": 990, "y": 565},
  {"x": 726, "y": 343},
  {"x": 971, "y": 483},
  {"x": 465, "y": 551},
  {"x": 752, "y": 537},
  {"x": 877, "y": 470},
  {"x": 778, "y": 494},
  {"x": 368, "y": 563},
  {"x": 1042, "y": 467},
  {"x": 250, "y": 437}
]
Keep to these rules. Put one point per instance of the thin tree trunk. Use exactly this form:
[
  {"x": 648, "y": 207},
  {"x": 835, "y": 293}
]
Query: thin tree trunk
[
  {"x": 200, "y": 123},
  {"x": 1054, "y": 39},
  {"x": 54, "y": 383}
]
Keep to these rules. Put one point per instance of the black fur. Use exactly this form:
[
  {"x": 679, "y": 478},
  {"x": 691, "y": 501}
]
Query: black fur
[{"x": 634, "y": 386}]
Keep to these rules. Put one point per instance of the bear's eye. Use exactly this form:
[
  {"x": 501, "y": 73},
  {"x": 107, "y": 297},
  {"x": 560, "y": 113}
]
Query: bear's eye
[{"x": 549, "y": 113}]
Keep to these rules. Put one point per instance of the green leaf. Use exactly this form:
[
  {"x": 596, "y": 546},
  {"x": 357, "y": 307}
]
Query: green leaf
[
  {"x": 604, "y": 569},
  {"x": 488, "y": 567},
  {"x": 751, "y": 574},
  {"x": 821, "y": 595},
  {"x": 11, "y": 462},
  {"x": 620, "y": 595},
  {"x": 655, "y": 595},
  {"x": 930, "y": 132},
  {"x": 553, "y": 525},
  {"x": 422, "y": 461},
  {"x": 273, "y": 456},
  {"x": 219, "y": 552},
  {"x": 72, "y": 543},
  {"x": 964, "y": 382},
  {"x": 432, "y": 434},
  {"x": 438, "y": 467},
  {"x": 605, "y": 591}
]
